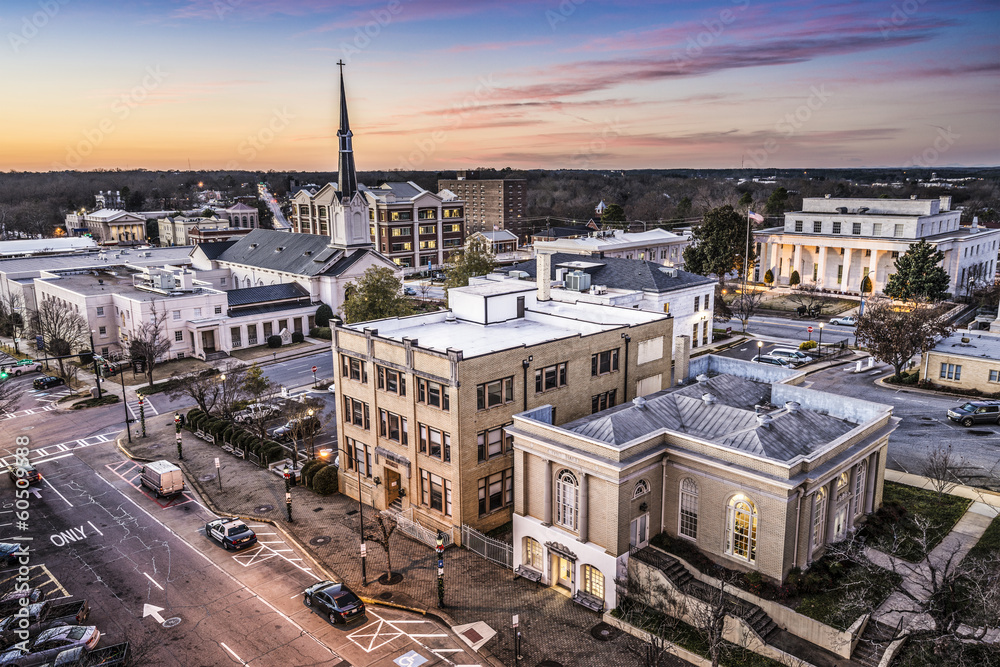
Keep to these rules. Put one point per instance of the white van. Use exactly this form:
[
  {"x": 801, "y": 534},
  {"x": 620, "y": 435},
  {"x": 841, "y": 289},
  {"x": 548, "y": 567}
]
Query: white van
[
  {"x": 793, "y": 356},
  {"x": 162, "y": 477}
]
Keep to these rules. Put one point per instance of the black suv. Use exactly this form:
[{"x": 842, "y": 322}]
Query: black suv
[
  {"x": 25, "y": 471},
  {"x": 336, "y": 601},
  {"x": 976, "y": 412},
  {"x": 47, "y": 381}
]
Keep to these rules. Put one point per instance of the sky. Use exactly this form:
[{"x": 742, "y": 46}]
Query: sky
[{"x": 458, "y": 84}]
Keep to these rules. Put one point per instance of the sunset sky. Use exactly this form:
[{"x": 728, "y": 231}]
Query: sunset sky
[{"x": 449, "y": 84}]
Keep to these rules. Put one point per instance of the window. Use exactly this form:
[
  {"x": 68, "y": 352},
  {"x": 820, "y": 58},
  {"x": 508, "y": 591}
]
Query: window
[
  {"x": 428, "y": 229},
  {"x": 815, "y": 271},
  {"x": 817, "y": 227},
  {"x": 798, "y": 225},
  {"x": 638, "y": 535},
  {"x": 103, "y": 331},
  {"x": 218, "y": 310},
  {"x": 641, "y": 489},
  {"x": 427, "y": 214},
  {"x": 550, "y": 377},
  {"x": 400, "y": 231},
  {"x": 697, "y": 301},
  {"x": 877, "y": 229},
  {"x": 860, "y": 479},
  {"x": 895, "y": 254},
  {"x": 359, "y": 457},
  {"x": 689, "y": 508},
  {"x": 897, "y": 230},
  {"x": 428, "y": 245},
  {"x": 840, "y": 273},
  {"x": 452, "y": 228},
  {"x": 354, "y": 369},
  {"x": 222, "y": 282},
  {"x": 951, "y": 372},
  {"x": 435, "y": 492},
  {"x": 593, "y": 581},
  {"x": 451, "y": 213},
  {"x": 604, "y": 362},
  {"x": 496, "y": 492},
  {"x": 567, "y": 499},
  {"x": 268, "y": 329},
  {"x": 392, "y": 426},
  {"x": 436, "y": 443},
  {"x": 100, "y": 311},
  {"x": 602, "y": 401},
  {"x": 836, "y": 227},
  {"x": 402, "y": 247},
  {"x": 356, "y": 412},
  {"x": 391, "y": 380},
  {"x": 492, "y": 394},
  {"x": 819, "y": 517},
  {"x": 401, "y": 215},
  {"x": 533, "y": 553},
  {"x": 741, "y": 528},
  {"x": 856, "y": 228},
  {"x": 494, "y": 442},
  {"x": 176, "y": 314},
  {"x": 432, "y": 394},
  {"x": 994, "y": 376},
  {"x": 197, "y": 313},
  {"x": 178, "y": 336},
  {"x": 236, "y": 336}
]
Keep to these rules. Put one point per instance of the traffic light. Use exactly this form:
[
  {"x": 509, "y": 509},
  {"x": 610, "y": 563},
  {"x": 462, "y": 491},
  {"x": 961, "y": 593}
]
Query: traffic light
[{"x": 3, "y": 375}]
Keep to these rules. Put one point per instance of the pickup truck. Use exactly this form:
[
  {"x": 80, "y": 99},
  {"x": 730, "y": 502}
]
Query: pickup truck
[
  {"x": 109, "y": 656},
  {"x": 22, "y": 366},
  {"x": 41, "y": 616}
]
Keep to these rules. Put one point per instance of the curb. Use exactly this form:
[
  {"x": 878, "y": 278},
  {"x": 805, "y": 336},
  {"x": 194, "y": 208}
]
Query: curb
[
  {"x": 124, "y": 450},
  {"x": 926, "y": 392}
]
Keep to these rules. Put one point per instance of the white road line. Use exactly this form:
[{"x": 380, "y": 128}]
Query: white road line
[
  {"x": 96, "y": 528},
  {"x": 232, "y": 653},
  {"x": 46, "y": 459},
  {"x": 154, "y": 581},
  {"x": 430, "y": 635},
  {"x": 57, "y": 490}
]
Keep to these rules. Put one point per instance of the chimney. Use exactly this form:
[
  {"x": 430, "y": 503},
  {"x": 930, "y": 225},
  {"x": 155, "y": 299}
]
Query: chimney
[
  {"x": 187, "y": 280},
  {"x": 543, "y": 267},
  {"x": 945, "y": 202}
]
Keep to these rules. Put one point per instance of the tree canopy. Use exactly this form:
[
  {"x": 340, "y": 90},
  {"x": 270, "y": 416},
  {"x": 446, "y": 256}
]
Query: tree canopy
[
  {"x": 720, "y": 244},
  {"x": 613, "y": 213},
  {"x": 476, "y": 259},
  {"x": 776, "y": 202},
  {"x": 323, "y": 315},
  {"x": 376, "y": 295},
  {"x": 919, "y": 275},
  {"x": 894, "y": 335}
]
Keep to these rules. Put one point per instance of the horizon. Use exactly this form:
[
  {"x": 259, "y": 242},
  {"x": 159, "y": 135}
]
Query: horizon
[{"x": 186, "y": 85}]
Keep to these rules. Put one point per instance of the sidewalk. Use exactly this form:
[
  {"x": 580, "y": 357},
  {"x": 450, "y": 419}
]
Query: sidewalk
[{"x": 327, "y": 530}]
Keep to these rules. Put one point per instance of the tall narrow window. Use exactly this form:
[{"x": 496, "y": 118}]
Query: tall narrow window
[
  {"x": 533, "y": 553},
  {"x": 593, "y": 581},
  {"x": 567, "y": 499},
  {"x": 689, "y": 508},
  {"x": 819, "y": 517},
  {"x": 860, "y": 480},
  {"x": 741, "y": 529}
]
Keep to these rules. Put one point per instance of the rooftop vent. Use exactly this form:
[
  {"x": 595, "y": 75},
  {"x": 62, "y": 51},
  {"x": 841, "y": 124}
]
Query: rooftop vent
[
  {"x": 863, "y": 209},
  {"x": 792, "y": 406},
  {"x": 764, "y": 420},
  {"x": 253, "y": 245},
  {"x": 639, "y": 402},
  {"x": 702, "y": 378},
  {"x": 308, "y": 253},
  {"x": 669, "y": 270},
  {"x": 826, "y": 196},
  {"x": 709, "y": 398},
  {"x": 279, "y": 248},
  {"x": 450, "y": 318},
  {"x": 100, "y": 281},
  {"x": 842, "y": 210}
]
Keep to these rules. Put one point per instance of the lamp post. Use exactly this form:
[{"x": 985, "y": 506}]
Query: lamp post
[
  {"x": 312, "y": 434},
  {"x": 128, "y": 421},
  {"x": 93, "y": 357},
  {"x": 820, "y": 346},
  {"x": 288, "y": 492},
  {"x": 361, "y": 513},
  {"x": 440, "y": 554},
  {"x": 142, "y": 413},
  {"x": 177, "y": 426},
  {"x": 517, "y": 640},
  {"x": 760, "y": 344}
]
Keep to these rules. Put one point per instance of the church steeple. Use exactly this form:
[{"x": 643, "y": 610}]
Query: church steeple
[{"x": 347, "y": 177}]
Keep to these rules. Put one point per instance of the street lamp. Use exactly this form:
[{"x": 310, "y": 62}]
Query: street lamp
[
  {"x": 820, "y": 346},
  {"x": 361, "y": 513},
  {"x": 142, "y": 412},
  {"x": 312, "y": 434},
  {"x": 288, "y": 492},
  {"x": 93, "y": 357},
  {"x": 128, "y": 421},
  {"x": 440, "y": 554},
  {"x": 177, "y": 425},
  {"x": 760, "y": 344}
]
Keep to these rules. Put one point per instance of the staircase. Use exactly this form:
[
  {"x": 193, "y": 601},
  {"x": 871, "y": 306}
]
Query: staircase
[
  {"x": 668, "y": 565},
  {"x": 872, "y": 644},
  {"x": 214, "y": 356},
  {"x": 396, "y": 506},
  {"x": 761, "y": 623}
]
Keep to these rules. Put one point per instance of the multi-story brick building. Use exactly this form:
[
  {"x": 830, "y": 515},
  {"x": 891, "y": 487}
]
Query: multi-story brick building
[
  {"x": 758, "y": 473},
  {"x": 491, "y": 203},
  {"x": 424, "y": 401}
]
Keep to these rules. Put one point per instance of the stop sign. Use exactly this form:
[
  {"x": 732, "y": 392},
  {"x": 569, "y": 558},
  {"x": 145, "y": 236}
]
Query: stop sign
[
  {"x": 809, "y": 329},
  {"x": 314, "y": 368}
]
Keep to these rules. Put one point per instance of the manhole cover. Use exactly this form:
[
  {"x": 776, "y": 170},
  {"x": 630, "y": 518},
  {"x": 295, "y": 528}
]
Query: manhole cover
[
  {"x": 974, "y": 431},
  {"x": 352, "y": 513},
  {"x": 171, "y": 622},
  {"x": 603, "y": 632},
  {"x": 385, "y": 596},
  {"x": 927, "y": 419},
  {"x": 207, "y": 478},
  {"x": 549, "y": 663},
  {"x": 319, "y": 541},
  {"x": 263, "y": 509}
]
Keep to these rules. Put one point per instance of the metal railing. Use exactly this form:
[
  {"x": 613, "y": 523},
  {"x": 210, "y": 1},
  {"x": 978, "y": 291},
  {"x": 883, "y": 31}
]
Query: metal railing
[
  {"x": 497, "y": 551},
  {"x": 428, "y": 536}
]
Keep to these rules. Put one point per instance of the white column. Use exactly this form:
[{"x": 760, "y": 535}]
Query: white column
[
  {"x": 547, "y": 507},
  {"x": 584, "y": 507},
  {"x": 821, "y": 272},
  {"x": 845, "y": 278},
  {"x": 797, "y": 262},
  {"x": 870, "y": 482},
  {"x": 831, "y": 510},
  {"x": 876, "y": 283},
  {"x": 776, "y": 249}
]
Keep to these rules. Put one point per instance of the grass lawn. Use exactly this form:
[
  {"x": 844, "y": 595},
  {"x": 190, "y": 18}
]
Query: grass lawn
[
  {"x": 831, "y": 305},
  {"x": 901, "y": 505},
  {"x": 989, "y": 543},
  {"x": 827, "y": 607},
  {"x": 106, "y": 399}
]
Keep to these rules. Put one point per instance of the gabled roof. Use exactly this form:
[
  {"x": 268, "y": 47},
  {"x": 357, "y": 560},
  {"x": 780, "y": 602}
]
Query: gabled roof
[
  {"x": 497, "y": 235},
  {"x": 266, "y": 294},
  {"x": 213, "y": 250},
  {"x": 619, "y": 273},
  {"x": 240, "y": 207},
  {"x": 300, "y": 254}
]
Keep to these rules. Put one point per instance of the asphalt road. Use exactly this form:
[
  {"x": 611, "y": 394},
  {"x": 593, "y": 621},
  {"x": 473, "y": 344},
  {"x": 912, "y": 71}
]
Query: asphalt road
[{"x": 793, "y": 329}]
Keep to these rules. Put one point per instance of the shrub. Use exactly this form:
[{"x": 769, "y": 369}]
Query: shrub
[
  {"x": 297, "y": 337},
  {"x": 274, "y": 341},
  {"x": 323, "y": 333},
  {"x": 324, "y": 482},
  {"x": 808, "y": 345},
  {"x": 274, "y": 453},
  {"x": 227, "y": 433},
  {"x": 323, "y": 315},
  {"x": 794, "y": 279},
  {"x": 306, "y": 468},
  {"x": 769, "y": 276}
]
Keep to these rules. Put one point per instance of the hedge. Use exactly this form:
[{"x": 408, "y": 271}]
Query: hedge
[
  {"x": 274, "y": 341},
  {"x": 297, "y": 337},
  {"x": 309, "y": 468},
  {"x": 324, "y": 482},
  {"x": 323, "y": 333},
  {"x": 274, "y": 453}
]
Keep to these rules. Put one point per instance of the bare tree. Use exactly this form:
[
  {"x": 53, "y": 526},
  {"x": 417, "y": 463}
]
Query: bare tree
[
  {"x": 943, "y": 468},
  {"x": 746, "y": 305},
  {"x": 895, "y": 335},
  {"x": 809, "y": 298},
  {"x": 424, "y": 288},
  {"x": 203, "y": 388},
  {"x": 61, "y": 327},
  {"x": 10, "y": 395},
  {"x": 149, "y": 341},
  {"x": 380, "y": 530},
  {"x": 259, "y": 389},
  {"x": 11, "y": 313},
  {"x": 709, "y": 617},
  {"x": 231, "y": 390}
]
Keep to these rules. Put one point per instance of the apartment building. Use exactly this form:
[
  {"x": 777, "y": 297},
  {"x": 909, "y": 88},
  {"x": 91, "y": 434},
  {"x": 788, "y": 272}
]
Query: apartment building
[
  {"x": 425, "y": 400},
  {"x": 491, "y": 203},
  {"x": 757, "y": 472}
]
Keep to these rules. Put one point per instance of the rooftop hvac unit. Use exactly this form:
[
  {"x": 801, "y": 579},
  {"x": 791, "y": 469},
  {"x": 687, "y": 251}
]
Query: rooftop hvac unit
[
  {"x": 842, "y": 210},
  {"x": 599, "y": 289},
  {"x": 578, "y": 281},
  {"x": 163, "y": 280},
  {"x": 520, "y": 275}
]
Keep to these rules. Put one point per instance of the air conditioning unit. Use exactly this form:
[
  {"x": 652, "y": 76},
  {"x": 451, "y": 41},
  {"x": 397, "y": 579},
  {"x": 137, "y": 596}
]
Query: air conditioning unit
[
  {"x": 599, "y": 289},
  {"x": 520, "y": 275},
  {"x": 578, "y": 281}
]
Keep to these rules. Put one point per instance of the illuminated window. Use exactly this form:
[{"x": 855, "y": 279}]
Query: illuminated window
[{"x": 741, "y": 528}]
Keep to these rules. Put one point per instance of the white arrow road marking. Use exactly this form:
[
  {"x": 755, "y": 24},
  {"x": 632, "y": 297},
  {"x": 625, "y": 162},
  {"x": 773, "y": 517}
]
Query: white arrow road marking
[{"x": 151, "y": 610}]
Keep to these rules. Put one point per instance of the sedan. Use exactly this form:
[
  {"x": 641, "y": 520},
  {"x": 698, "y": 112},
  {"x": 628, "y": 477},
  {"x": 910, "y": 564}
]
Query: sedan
[
  {"x": 335, "y": 601},
  {"x": 295, "y": 427},
  {"x": 409, "y": 291},
  {"x": 231, "y": 533},
  {"x": 845, "y": 321},
  {"x": 774, "y": 361},
  {"x": 16, "y": 599},
  {"x": 47, "y": 381},
  {"x": 24, "y": 471},
  {"x": 50, "y": 643},
  {"x": 9, "y": 553}
]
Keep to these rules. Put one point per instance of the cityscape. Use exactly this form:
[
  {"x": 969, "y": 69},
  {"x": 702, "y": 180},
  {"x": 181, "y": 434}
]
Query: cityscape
[{"x": 526, "y": 334}]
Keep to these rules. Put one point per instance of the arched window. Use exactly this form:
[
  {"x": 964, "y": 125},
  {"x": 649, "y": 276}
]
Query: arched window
[
  {"x": 641, "y": 489},
  {"x": 741, "y": 528},
  {"x": 819, "y": 517},
  {"x": 593, "y": 581},
  {"x": 533, "y": 553},
  {"x": 843, "y": 481},
  {"x": 567, "y": 499},
  {"x": 860, "y": 480},
  {"x": 689, "y": 508}
]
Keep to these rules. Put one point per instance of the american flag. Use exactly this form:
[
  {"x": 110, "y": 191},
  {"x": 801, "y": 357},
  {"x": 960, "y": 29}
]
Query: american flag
[{"x": 756, "y": 217}]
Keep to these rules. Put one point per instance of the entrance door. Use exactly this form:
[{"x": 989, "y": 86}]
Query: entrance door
[
  {"x": 564, "y": 573},
  {"x": 391, "y": 485},
  {"x": 208, "y": 341},
  {"x": 840, "y": 523}
]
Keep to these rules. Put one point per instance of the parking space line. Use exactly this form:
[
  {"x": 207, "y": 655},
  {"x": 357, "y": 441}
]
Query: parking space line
[
  {"x": 46, "y": 481},
  {"x": 154, "y": 581}
]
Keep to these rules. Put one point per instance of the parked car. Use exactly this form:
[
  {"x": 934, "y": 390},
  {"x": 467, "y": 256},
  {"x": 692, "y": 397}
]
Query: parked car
[
  {"x": 50, "y": 644},
  {"x": 40, "y": 617},
  {"x": 231, "y": 533},
  {"x": 845, "y": 321},
  {"x": 438, "y": 277},
  {"x": 255, "y": 411},
  {"x": 23, "y": 366},
  {"x": 335, "y": 601},
  {"x": 297, "y": 426},
  {"x": 11, "y": 602},
  {"x": 794, "y": 356},
  {"x": 108, "y": 656},
  {"x": 9, "y": 553},
  {"x": 162, "y": 477},
  {"x": 409, "y": 291},
  {"x": 46, "y": 382},
  {"x": 24, "y": 471},
  {"x": 774, "y": 361},
  {"x": 976, "y": 412}
]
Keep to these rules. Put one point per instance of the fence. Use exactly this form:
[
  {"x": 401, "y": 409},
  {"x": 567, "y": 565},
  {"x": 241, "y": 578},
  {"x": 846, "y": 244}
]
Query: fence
[
  {"x": 429, "y": 537},
  {"x": 497, "y": 551}
]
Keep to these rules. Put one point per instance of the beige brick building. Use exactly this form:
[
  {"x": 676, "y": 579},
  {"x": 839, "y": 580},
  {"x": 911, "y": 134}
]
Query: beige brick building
[
  {"x": 757, "y": 472},
  {"x": 965, "y": 360},
  {"x": 424, "y": 401}
]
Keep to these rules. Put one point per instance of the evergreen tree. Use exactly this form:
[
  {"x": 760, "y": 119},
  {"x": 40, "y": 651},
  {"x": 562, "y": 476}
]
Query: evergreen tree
[
  {"x": 794, "y": 279},
  {"x": 323, "y": 315},
  {"x": 776, "y": 202},
  {"x": 613, "y": 213},
  {"x": 378, "y": 294},
  {"x": 719, "y": 244},
  {"x": 919, "y": 275}
]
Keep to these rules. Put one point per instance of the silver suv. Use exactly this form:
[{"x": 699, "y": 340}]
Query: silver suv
[{"x": 976, "y": 412}]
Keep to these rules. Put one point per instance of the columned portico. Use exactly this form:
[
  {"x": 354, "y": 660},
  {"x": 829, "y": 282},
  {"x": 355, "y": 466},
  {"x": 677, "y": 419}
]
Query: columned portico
[
  {"x": 845, "y": 277},
  {"x": 797, "y": 262}
]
